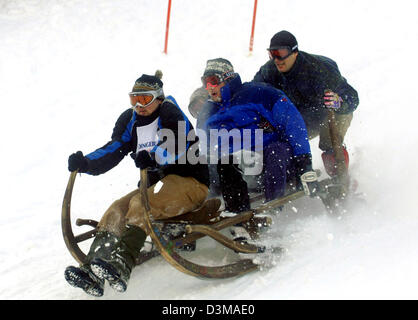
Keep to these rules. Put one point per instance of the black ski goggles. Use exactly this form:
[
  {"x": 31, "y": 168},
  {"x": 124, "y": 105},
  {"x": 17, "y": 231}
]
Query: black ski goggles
[{"x": 281, "y": 53}]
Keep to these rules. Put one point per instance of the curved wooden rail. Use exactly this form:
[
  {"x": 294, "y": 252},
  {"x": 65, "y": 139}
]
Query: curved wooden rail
[
  {"x": 70, "y": 240},
  {"x": 224, "y": 240},
  {"x": 166, "y": 248}
]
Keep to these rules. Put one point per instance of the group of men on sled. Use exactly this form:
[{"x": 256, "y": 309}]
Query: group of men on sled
[{"x": 275, "y": 115}]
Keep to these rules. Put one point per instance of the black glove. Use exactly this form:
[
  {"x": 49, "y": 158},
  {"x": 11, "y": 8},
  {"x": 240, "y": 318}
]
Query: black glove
[
  {"x": 143, "y": 160},
  {"x": 303, "y": 163},
  {"x": 77, "y": 161}
]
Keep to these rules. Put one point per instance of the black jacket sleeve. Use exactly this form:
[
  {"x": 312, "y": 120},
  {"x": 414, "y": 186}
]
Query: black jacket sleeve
[
  {"x": 108, "y": 156},
  {"x": 329, "y": 77}
]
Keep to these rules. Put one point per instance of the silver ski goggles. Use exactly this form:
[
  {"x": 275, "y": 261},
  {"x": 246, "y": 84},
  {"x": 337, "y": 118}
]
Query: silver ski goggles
[{"x": 143, "y": 99}]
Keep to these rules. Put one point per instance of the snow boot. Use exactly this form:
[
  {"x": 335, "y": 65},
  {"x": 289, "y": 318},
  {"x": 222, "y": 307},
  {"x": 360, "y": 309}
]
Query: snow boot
[
  {"x": 256, "y": 225},
  {"x": 116, "y": 264},
  {"x": 148, "y": 246},
  {"x": 116, "y": 274},
  {"x": 250, "y": 229},
  {"x": 241, "y": 235},
  {"x": 171, "y": 231},
  {"x": 330, "y": 163},
  {"x": 85, "y": 279}
]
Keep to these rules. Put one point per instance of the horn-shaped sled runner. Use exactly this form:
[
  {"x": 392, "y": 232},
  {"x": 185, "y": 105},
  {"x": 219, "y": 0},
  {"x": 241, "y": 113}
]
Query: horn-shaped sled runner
[
  {"x": 70, "y": 240},
  {"x": 166, "y": 249},
  {"x": 205, "y": 222}
]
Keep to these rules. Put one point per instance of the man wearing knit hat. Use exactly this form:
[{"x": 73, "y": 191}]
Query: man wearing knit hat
[
  {"x": 249, "y": 109},
  {"x": 314, "y": 84},
  {"x": 220, "y": 67},
  {"x": 184, "y": 186}
]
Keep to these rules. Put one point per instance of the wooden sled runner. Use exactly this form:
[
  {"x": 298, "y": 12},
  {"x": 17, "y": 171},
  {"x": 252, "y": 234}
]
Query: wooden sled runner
[
  {"x": 166, "y": 248},
  {"x": 206, "y": 222},
  {"x": 209, "y": 224}
]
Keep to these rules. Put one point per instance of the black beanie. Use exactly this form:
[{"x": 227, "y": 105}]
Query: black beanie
[
  {"x": 147, "y": 82},
  {"x": 284, "y": 39}
]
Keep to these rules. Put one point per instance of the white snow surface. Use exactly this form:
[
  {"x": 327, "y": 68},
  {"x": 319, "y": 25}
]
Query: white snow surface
[{"x": 66, "y": 67}]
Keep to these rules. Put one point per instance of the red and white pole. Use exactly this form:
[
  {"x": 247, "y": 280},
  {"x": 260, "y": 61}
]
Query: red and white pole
[
  {"x": 167, "y": 26},
  {"x": 253, "y": 27}
]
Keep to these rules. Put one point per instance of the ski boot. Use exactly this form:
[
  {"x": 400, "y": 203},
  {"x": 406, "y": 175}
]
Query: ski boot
[
  {"x": 329, "y": 161},
  {"x": 171, "y": 231},
  {"x": 85, "y": 279},
  {"x": 116, "y": 266}
]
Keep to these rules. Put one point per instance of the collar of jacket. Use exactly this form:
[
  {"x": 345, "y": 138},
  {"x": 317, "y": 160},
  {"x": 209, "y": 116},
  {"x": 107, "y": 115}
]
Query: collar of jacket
[
  {"x": 296, "y": 67},
  {"x": 229, "y": 90}
]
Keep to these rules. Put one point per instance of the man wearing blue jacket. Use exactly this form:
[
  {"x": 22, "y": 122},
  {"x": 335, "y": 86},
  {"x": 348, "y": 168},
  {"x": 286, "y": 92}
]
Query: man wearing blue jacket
[
  {"x": 314, "y": 84},
  {"x": 250, "y": 107}
]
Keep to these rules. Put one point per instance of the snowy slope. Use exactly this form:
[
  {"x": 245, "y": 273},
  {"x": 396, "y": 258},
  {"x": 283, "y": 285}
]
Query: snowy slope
[{"x": 65, "y": 70}]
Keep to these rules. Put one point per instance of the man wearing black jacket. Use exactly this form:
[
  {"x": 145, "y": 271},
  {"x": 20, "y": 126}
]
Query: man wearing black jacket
[
  {"x": 156, "y": 133},
  {"x": 314, "y": 84}
]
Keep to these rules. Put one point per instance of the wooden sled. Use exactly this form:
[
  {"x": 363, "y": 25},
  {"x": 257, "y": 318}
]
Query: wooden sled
[{"x": 205, "y": 221}]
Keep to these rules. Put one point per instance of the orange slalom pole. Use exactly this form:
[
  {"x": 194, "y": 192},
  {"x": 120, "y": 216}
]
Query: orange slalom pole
[
  {"x": 253, "y": 27},
  {"x": 167, "y": 26}
]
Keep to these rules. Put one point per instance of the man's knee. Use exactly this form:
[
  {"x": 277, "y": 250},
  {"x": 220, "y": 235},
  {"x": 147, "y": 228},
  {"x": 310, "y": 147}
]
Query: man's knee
[{"x": 114, "y": 219}]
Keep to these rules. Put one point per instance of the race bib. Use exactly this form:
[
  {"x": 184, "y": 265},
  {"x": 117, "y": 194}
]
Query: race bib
[{"x": 147, "y": 136}]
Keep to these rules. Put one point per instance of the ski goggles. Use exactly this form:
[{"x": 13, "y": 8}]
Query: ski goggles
[
  {"x": 212, "y": 81},
  {"x": 143, "y": 99},
  {"x": 281, "y": 53}
]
